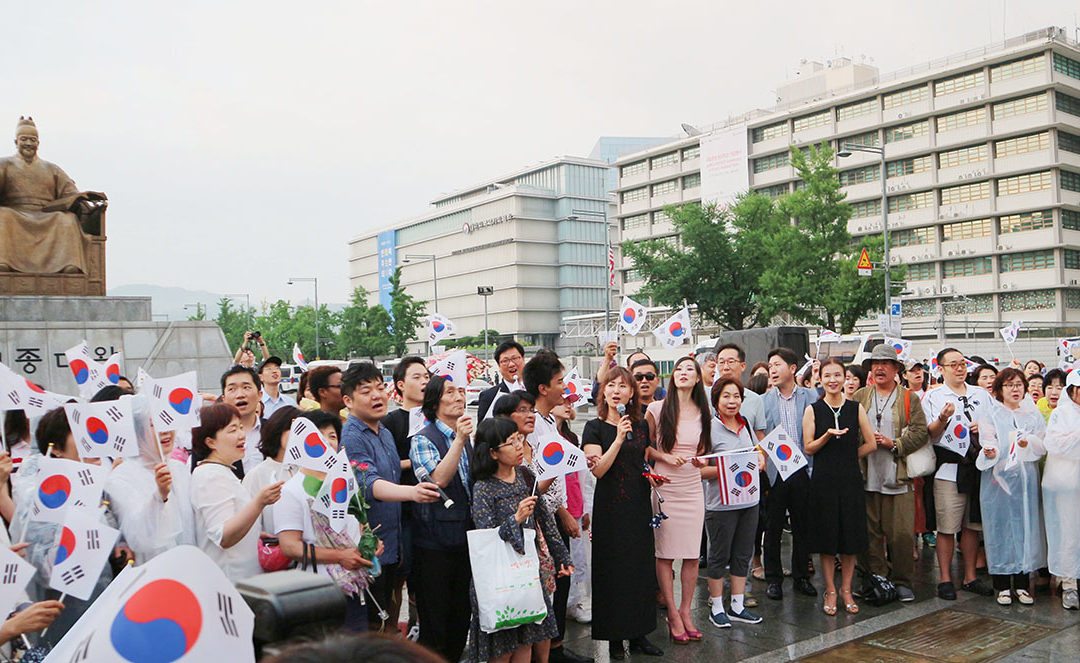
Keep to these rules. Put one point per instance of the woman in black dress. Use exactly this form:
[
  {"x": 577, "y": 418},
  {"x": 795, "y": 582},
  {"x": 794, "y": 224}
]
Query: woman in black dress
[
  {"x": 624, "y": 564},
  {"x": 833, "y": 427}
]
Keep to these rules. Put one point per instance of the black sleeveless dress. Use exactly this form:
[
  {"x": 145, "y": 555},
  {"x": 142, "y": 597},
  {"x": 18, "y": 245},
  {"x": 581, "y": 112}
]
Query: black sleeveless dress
[{"x": 837, "y": 503}]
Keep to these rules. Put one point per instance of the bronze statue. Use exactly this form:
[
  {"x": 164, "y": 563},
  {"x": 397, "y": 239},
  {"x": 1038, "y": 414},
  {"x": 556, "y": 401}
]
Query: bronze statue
[{"x": 46, "y": 223}]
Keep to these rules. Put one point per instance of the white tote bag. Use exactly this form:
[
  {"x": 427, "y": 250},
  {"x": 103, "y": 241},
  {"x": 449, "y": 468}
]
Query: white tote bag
[
  {"x": 508, "y": 589},
  {"x": 922, "y": 462}
]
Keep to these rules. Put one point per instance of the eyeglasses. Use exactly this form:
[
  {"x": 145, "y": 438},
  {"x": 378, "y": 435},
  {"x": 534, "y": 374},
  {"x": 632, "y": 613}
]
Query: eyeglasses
[
  {"x": 955, "y": 365},
  {"x": 525, "y": 411},
  {"x": 506, "y": 361},
  {"x": 644, "y": 376},
  {"x": 1013, "y": 385},
  {"x": 514, "y": 440}
]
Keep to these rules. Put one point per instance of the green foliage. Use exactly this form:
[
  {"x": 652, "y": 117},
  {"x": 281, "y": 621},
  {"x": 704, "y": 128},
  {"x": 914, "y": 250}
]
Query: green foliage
[
  {"x": 234, "y": 320},
  {"x": 365, "y": 330},
  {"x": 406, "y": 312},
  {"x": 472, "y": 342}
]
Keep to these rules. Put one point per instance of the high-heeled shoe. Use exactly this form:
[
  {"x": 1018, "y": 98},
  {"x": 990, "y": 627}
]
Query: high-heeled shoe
[
  {"x": 850, "y": 606},
  {"x": 829, "y": 610},
  {"x": 683, "y": 639},
  {"x": 695, "y": 636}
]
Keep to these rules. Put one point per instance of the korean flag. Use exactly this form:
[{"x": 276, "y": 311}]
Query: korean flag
[
  {"x": 454, "y": 367},
  {"x": 83, "y": 545},
  {"x": 15, "y": 574},
  {"x": 308, "y": 448},
  {"x": 439, "y": 327},
  {"x": 737, "y": 474},
  {"x": 631, "y": 316},
  {"x": 103, "y": 430},
  {"x": 338, "y": 489},
  {"x": 62, "y": 485},
  {"x": 176, "y": 401},
  {"x": 18, "y": 393},
  {"x": 783, "y": 452},
  {"x": 674, "y": 331},
  {"x": 957, "y": 435},
  {"x": 557, "y": 457}
]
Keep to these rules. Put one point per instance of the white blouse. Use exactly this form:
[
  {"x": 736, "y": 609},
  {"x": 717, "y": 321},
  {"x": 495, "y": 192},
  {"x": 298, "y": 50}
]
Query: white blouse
[
  {"x": 262, "y": 475},
  {"x": 216, "y": 496},
  {"x": 150, "y": 526}
]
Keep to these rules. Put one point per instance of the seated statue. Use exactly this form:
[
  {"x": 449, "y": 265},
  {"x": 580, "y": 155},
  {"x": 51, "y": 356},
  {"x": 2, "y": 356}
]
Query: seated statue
[{"x": 45, "y": 221}]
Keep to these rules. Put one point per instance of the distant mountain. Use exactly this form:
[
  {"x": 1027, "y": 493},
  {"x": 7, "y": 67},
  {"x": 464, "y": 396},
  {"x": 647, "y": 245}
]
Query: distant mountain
[{"x": 168, "y": 302}]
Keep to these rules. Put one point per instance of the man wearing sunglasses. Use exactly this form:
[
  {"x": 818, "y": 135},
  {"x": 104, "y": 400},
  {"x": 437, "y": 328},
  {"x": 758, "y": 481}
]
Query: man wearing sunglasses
[
  {"x": 956, "y": 482},
  {"x": 647, "y": 378}
]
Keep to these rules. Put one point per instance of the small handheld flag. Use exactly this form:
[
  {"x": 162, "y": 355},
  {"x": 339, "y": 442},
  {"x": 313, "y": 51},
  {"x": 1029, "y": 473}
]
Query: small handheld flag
[
  {"x": 957, "y": 435},
  {"x": 675, "y": 330},
  {"x": 454, "y": 367},
  {"x": 783, "y": 452},
  {"x": 103, "y": 430},
  {"x": 439, "y": 327},
  {"x": 83, "y": 545},
  {"x": 308, "y": 448},
  {"x": 298, "y": 357},
  {"x": 631, "y": 316},
  {"x": 63, "y": 485},
  {"x": 556, "y": 457},
  {"x": 175, "y": 401},
  {"x": 901, "y": 346},
  {"x": 737, "y": 476},
  {"x": 338, "y": 488},
  {"x": 1010, "y": 331},
  {"x": 15, "y": 574}
]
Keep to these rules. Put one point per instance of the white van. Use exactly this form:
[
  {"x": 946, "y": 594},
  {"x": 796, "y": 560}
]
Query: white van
[{"x": 850, "y": 349}]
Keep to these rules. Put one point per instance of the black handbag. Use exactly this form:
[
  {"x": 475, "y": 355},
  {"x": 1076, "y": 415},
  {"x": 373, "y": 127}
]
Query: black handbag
[{"x": 877, "y": 590}]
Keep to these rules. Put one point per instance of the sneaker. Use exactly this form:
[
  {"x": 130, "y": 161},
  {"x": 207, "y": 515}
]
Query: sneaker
[
  {"x": 720, "y": 619},
  {"x": 904, "y": 594},
  {"x": 746, "y": 617},
  {"x": 1024, "y": 598},
  {"x": 579, "y": 613},
  {"x": 1004, "y": 597},
  {"x": 977, "y": 587},
  {"x": 929, "y": 539},
  {"x": 1070, "y": 600},
  {"x": 946, "y": 591},
  {"x": 414, "y": 633}
]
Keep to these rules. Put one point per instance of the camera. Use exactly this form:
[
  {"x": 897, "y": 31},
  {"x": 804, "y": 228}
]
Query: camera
[{"x": 256, "y": 334}]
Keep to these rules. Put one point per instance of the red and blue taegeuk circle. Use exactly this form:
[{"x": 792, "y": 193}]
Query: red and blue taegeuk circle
[
  {"x": 339, "y": 490},
  {"x": 112, "y": 372},
  {"x": 437, "y": 326},
  {"x": 314, "y": 445},
  {"x": 80, "y": 370},
  {"x": 629, "y": 315},
  {"x": 181, "y": 399},
  {"x": 66, "y": 547},
  {"x": 899, "y": 347},
  {"x": 743, "y": 479},
  {"x": 97, "y": 430},
  {"x": 960, "y": 431},
  {"x": 553, "y": 453},
  {"x": 54, "y": 491},
  {"x": 160, "y": 623},
  {"x": 783, "y": 452},
  {"x": 676, "y": 329}
]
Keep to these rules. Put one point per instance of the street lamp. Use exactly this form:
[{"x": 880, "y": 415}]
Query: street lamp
[
  {"x": 485, "y": 291},
  {"x": 314, "y": 280},
  {"x": 575, "y": 213},
  {"x": 198, "y": 309},
  {"x": 845, "y": 151},
  {"x": 434, "y": 273},
  {"x": 246, "y": 296}
]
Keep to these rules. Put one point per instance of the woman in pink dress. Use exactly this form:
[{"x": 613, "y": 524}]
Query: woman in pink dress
[{"x": 679, "y": 427}]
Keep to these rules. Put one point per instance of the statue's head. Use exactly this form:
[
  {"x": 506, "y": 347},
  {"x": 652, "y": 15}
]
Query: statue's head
[{"x": 26, "y": 137}]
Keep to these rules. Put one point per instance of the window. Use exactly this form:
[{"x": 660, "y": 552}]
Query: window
[
  {"x": 1014, "y": 107},
  {"x": 634, "y": 275},
  {"x": 1004, "y": 72},
  {"x": 911, "y": 201},
  {"x": 691, "y": 153},
  {"x": 1068, "y": 142},
  {"x": 664, "y": 160},
  {"x": 634, "y": 195},
  {"x": 1067, "y": 104},
  {"x": 1070, "y": 220},
  {"x": 774, "y": 191},
  {"x": 857, "y": 109},
  {"x": 962, "y": 156},
  {"x": 1015, "y": 223},
  {"x": 967, "y": 267},
  {"x": 903, "y": 97},
  {"x": 1070, "y": 181},
  {"x": 1072, "y": 299},
  {"x": 772, "y": 161},
  {"x": 868, "y": 139},
  {"x": 866, "y": 208},
  {"x": 691, "y": 181},
  {"x": 665, "y": 187},
  {"x": 1027, "y": 260},
  {"x": 1071, "y": 259},
  {"x": 1031, "y": 300},
  {"x": 913, "y": 236},
  {"x": 636, "y": 221},
  {"x": 810, "y": 121},
  {"x": 908, "y": 166},
  {"x": 966, "y": 230},
  {"x": 974, "y": 304},
  {"x": 963, "y": 119},
  {"x": 922, "y": 271},
  {"x": 1022, "y": 144},
  {"x": 661, "y": 216},
  {"x": 906, "y": 131},
  {"x": 760, "y": 134},
  {"x": 1010, "y": 186},
  {"x": 965, "y": 193},
  {"x": 1066, "y": 66},
  {"x": 921, "y": 308},
  {"x": 636, "y": 168},
  {"x": 860, "y": 175},
  {"x": 959, "y": 83}
]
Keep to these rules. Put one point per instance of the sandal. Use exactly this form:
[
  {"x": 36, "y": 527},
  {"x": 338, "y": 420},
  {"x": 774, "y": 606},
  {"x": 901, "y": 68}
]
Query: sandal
[
  {"x": 758, "y": 573},
  {"x": 829, "y": 610},
  {"x": 850, "y": 606}
]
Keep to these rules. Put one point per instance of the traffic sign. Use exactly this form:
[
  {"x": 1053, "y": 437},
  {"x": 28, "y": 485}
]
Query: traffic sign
[
  {"x": 896, "y": 308},
  {"x": 865, "y": 267}
]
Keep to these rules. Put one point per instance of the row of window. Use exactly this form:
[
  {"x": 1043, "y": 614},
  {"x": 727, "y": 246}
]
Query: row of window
[
  {"x": 642, "y": 220},
  {"x": 982, "y": 265},
  {"x": 690, "y": 181},
  {"x": 1010, "y": 223},
  {"x": 661, "y": 161},
  {"x": 1026, "y": 300},
  {"x": 1006, "y": 186},
  {"x": 959, "y": 83}
]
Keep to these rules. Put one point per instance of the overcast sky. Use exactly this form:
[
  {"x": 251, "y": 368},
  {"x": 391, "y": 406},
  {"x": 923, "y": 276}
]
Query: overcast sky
[{"x": 241, "y": 143}]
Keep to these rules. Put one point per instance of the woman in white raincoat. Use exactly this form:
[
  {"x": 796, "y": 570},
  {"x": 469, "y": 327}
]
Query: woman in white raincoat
[
  {"x": 1009, "y": 491},
  {"x": 1061, "y": 491},
  {"x": 151, "y": 493}
]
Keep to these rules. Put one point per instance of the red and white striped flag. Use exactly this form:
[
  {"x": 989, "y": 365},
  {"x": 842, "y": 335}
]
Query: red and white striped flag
[
  {"x": 737, "y": 474},
  {"x": 611, "y": 265}
]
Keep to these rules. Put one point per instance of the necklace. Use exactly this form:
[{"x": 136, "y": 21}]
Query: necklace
[
  {"x": 835, "y": 413},
  {"x": 878, "y": 411}
]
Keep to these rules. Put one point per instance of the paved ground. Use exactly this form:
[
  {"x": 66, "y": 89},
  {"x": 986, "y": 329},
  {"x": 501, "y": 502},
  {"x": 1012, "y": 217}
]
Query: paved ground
[{"x": 972, "y": 628}]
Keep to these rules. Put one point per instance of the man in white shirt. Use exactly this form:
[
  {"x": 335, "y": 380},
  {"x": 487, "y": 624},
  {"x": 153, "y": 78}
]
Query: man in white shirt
[
  {"x": 510, "y": 358},
  {"x": 272, "y": 398},
  {"x": 956, "y": 482},
  {"x": 730, "y": 362},
  {"x": 240, "y": 388}
]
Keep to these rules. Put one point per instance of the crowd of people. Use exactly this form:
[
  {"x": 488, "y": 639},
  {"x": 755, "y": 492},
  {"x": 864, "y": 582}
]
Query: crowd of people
[{"x": 615, "y": 539}]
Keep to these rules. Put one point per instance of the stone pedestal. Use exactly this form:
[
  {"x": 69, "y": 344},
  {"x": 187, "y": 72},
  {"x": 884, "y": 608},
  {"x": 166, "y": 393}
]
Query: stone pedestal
[{"x": 35, "y": 331}]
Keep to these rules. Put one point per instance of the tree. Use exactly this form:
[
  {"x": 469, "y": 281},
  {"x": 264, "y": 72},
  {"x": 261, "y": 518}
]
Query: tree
[
  {"x": 365, "y": 330},
  {"x": 406, "y": 314},
  {"x": 714, "y": 264},
  {"x": 282, "y": 325},
  {"x": 810, "y": 262},
  {"x": 473, "y": 342},
  {"x": 234, "y": 321}
]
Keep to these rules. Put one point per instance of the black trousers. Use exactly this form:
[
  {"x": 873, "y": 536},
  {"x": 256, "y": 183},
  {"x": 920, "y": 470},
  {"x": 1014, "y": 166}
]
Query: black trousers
[
  {"x": 1013, "y": 582},
  {"x": 562, "y": 595},
  {"x": 790, "y": 496},
  {"x": 383, "y": 591},
  {"x": 442, "y": 600}
]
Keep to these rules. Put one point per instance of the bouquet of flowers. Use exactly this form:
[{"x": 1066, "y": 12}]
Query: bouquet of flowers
[{"x": 359, "y": 508}]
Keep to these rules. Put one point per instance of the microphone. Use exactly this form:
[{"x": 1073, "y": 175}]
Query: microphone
[
  {"x": 621, "y": 409},
  {"x": 422, "y": 475}
]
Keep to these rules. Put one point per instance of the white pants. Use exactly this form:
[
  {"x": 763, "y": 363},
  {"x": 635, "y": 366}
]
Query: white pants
[{"x": 581, "y": 581}]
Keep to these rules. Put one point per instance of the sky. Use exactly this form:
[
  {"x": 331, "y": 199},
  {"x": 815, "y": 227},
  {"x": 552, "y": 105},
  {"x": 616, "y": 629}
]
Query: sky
[{"x": 243, "y": 143}]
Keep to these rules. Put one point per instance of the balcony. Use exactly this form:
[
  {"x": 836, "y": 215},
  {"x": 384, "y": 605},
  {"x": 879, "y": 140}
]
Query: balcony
[
  {"x": 966, "y": 210},
  {"x": 814, "y": 135},
  {"x": 915, "y": 253},
  {"x": 969, "y": 284},
  {"x": 632, "y": 207},
  {"x": 862, "y": 191},
  {"x": 967, "y": 248},
  {"x": 665, "y": 171},
  {"x": 1029, "y": 279},
  {"x": 690, "y": 165},
  {"x": 905, "y": 147},
  {"x": 637, "y": 233},
  {"x": 906, "y": 183},
  {"x": 912, "y": 217},
  {"x": 1021, "y": 162},
  {"x": 859, "y": 123}
]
